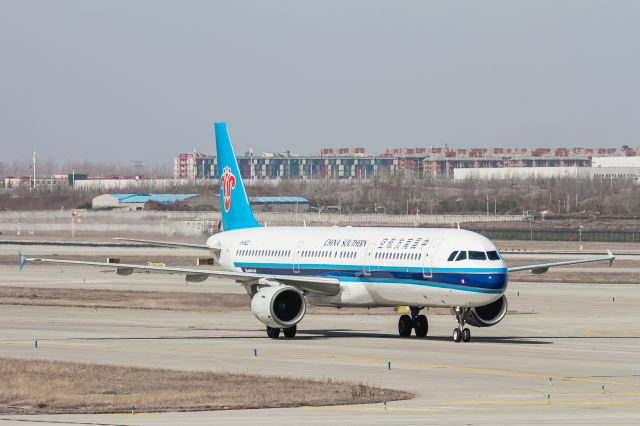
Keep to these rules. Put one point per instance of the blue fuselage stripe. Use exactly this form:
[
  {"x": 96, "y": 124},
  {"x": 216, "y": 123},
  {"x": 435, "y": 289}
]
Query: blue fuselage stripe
[{"x": 483, "y": 280}]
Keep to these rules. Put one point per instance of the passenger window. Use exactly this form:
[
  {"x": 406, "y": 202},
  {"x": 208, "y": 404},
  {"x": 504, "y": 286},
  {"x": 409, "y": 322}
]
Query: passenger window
[
  {"x": 477, "y": 255},
  {"x": 461, "y": 256},
  {"x": 493, "y": 255},
  {"x": 452, "y": 256}
]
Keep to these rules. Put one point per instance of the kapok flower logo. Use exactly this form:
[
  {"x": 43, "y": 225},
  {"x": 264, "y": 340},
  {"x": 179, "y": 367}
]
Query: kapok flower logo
[{"x": 227, "y": 183}]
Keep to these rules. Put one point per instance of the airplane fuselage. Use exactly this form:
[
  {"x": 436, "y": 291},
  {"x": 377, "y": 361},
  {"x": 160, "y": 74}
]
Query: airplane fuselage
[{"x": 375, "y": 266}]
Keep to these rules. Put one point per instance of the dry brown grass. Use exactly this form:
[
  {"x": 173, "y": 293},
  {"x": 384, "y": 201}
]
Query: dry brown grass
[
  {"x": 33, "y": 386},
  {"x": 219, "y": 302}
]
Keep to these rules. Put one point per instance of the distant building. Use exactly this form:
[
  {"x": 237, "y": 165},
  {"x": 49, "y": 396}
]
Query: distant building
[
  {"x": 126, "y": 183},
  {"x": 135, "y": 201},
  {"x": 50, "y": 182},
  {"x": 616, "y": 162},
  {"x": 194, "y": 165},
  {"x": 522, "y": 173},
  {"x": 279, "y": 204},
  {"x": 354, "y": 163}
]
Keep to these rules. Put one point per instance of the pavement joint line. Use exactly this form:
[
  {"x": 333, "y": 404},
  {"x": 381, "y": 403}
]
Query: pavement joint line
[
  {"x": 618, "y": 333},
  {"x": 379, "y": 409},
  {"x": 136, "y": 414},
  {"x": 523, "y": 403},
  {"x": 541, "y": 394}
]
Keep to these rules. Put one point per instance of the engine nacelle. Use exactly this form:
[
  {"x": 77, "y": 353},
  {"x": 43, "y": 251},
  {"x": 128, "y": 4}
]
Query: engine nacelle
[
  {"x": 278, "y": 306},
  {"x": 488, "y": 315}
]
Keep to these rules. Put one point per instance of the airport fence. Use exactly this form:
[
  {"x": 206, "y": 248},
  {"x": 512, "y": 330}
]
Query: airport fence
[
  {"x": 206, "y": 222},
  {"x": 608, "y": 236},
  {"x": 329, "y": 219}
]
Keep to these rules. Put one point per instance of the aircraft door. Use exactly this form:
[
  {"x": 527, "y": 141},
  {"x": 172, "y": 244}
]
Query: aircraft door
[
  {"x": 428, "y": 253},
  {"x": 368, "y": 258},
  {"x": 296, "y": 255}
]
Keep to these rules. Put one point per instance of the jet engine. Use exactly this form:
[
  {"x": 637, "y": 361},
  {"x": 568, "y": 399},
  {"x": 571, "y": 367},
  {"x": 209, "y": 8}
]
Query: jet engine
[
  {"x": 278, "y": 306},
  {"x": 488, "y": 315}
]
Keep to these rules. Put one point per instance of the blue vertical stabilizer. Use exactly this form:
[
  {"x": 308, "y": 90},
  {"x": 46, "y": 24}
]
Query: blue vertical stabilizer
[{"x": 234, "y": 204}]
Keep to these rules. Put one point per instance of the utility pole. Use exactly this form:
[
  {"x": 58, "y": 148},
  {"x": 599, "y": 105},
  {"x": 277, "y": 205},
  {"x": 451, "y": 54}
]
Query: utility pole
[
  {"x": 251, "y": 164},
  {"x": 487, "y": 204},
  {"x": 34, "y": 170},
  {"x": 137, "y": 167}
]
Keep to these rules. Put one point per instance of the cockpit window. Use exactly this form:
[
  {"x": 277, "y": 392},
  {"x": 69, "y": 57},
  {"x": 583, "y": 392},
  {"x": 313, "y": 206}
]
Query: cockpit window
[
  {"x": 477, "y": 255},
  {"x": 461, "y": 256},
  {"x": 493, "y": 255},
  {"x": 452, "y": 256}
]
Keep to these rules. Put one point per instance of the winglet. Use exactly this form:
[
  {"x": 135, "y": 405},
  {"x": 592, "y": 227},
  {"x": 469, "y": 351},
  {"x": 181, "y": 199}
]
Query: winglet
[
  {"x": 611, "y": 258},
  {"x": 23, "y": 260}
]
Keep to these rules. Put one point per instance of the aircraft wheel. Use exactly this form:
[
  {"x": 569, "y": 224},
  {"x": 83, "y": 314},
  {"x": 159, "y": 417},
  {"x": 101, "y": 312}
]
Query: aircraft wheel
[
  {"x": 290, "y": 332},
  {"x": 273, "y": 333},
  {"x": 466, "y": 335},
  {"x": 457, "y": 335},
  {"x": 405, "y": 325},
  {"x": 422, "y": 326}
]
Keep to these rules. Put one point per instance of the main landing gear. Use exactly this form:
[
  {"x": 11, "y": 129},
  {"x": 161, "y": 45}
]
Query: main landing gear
[
  {"x": 274, "y": 333},
  {"x": 461, "y": 333},
  {"x": 415, "y": 322}
]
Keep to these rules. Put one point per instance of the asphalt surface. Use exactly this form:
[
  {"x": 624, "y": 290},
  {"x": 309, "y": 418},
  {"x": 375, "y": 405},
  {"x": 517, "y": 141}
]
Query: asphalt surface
[{"x": 547, "y": 362}]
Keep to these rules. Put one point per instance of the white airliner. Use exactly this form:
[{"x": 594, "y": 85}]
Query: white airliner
[{"x": 285, "y": 268}]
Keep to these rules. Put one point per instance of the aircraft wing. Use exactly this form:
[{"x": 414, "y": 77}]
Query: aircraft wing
[
  {"x": 541, "y": 268},
  {"x": 323, "y": 285},
  {"x": 164, "y": 243}
]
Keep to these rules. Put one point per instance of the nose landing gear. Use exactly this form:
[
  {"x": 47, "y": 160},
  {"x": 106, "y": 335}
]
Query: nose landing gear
[
  {"x": 461, "y": 333},
  {"x": 415, "y": 322}
]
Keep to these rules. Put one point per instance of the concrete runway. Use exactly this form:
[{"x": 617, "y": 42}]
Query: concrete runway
[{"x": 574, "y": 334}]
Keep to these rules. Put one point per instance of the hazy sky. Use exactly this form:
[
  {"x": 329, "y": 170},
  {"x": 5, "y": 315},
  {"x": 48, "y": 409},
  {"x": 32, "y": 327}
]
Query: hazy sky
[{"x": 111, "y": 80}]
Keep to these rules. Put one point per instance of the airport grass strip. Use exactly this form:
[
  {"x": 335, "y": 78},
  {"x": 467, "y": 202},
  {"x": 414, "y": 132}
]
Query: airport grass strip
[{"x": 44, "y": 387}]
